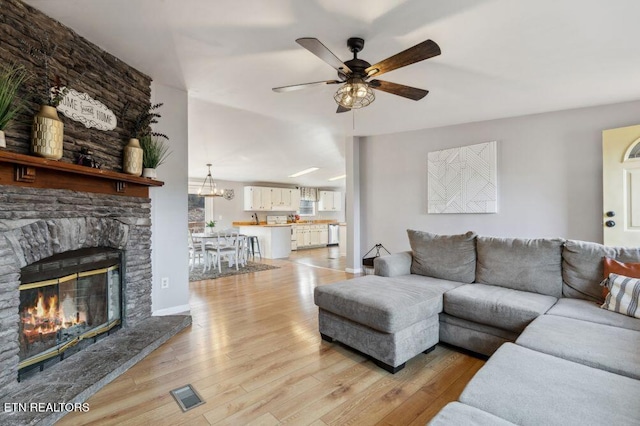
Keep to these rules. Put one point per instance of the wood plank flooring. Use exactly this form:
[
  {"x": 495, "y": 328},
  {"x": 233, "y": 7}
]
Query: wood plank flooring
[{"x": 254, "y": 354}]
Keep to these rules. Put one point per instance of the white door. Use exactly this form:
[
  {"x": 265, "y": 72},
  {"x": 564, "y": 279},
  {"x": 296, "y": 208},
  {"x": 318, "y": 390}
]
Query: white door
[{"x": 621, "y": 186}]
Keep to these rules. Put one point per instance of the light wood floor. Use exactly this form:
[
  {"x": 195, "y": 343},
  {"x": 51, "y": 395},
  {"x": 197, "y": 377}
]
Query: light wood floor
[{"x": 255, "y": 356}]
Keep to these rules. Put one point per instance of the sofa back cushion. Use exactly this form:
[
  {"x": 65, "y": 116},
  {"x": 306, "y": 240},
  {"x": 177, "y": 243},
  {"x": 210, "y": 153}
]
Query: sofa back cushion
[
  {"x": 583, "y": 270},
  {"x": 533, "y": 265},
  {"x": 449, "y": 257}
]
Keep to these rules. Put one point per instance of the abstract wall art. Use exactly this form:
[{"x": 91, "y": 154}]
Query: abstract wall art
[{"x": 463, "y": 180}]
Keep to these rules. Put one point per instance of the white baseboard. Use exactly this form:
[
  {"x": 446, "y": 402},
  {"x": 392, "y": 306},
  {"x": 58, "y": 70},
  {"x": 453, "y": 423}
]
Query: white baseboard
[
  {"x": 172, "y": 311},
  {"x": 353, "y": 271}
]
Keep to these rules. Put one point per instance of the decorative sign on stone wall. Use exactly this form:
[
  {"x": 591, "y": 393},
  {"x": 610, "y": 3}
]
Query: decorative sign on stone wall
[
  {"x": 463, "y": 180},
  {"x": 88, "y": 111}
]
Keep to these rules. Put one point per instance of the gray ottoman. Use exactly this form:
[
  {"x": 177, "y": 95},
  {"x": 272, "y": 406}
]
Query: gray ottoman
[{"x": 390, "y": 321}]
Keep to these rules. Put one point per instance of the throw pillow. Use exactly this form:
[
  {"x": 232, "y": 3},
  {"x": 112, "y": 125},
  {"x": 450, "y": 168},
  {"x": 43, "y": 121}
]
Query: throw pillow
[
  {"x": 623, "y": 296},
  {"x": 449, "y": 257},
  {"x": 612, "y": 266}
]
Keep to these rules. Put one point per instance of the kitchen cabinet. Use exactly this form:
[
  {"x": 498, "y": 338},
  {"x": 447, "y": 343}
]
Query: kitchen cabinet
[
  {"x": 257, "y": 198},
  {"x": 303, "y": 236},
  {"x": 311, "y": 235},
  {"x": 261, "y": 198},
  {"x": 330, "y": 201},
  {"x": 282, "y": 199},
  {"x": 315, "y": 235}
]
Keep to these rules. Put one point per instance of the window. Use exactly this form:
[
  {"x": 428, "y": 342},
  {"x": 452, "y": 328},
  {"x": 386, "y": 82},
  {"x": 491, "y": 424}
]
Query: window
[{"x": 307, "y": 208}]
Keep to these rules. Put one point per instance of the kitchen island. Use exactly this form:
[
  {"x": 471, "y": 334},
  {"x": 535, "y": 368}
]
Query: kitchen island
[{"x": 275, "y": 240}]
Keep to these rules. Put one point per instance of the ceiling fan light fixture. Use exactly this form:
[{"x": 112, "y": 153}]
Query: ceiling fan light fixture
[
  {"x": 354, "y": 94},
  {"x": 209, "y": 187}
]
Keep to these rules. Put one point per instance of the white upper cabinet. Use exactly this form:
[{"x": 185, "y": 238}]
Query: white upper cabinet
[
  {"x": 330, "y": 201},
  {"x": 257, "y": 198},
  {"x": 282, "y": 199},
  {"x": 260, "y": 198}
]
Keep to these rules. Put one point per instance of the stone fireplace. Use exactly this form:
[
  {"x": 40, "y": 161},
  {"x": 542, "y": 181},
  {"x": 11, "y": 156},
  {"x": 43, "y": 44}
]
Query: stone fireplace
[{"x": 67, "y": 251}]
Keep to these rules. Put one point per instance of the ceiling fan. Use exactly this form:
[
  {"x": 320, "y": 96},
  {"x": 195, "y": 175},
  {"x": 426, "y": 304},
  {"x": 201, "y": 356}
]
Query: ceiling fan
[{"x": 355, "y": 73}]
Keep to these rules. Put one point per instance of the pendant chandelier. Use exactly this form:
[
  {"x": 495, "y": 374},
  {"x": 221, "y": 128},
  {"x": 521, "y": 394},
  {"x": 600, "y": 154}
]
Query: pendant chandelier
[{"x": 209, "y": 187}]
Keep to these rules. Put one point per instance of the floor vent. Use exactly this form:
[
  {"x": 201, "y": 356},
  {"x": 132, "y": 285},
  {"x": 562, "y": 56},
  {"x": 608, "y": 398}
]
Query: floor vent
[{"x": 187, "y": 397}]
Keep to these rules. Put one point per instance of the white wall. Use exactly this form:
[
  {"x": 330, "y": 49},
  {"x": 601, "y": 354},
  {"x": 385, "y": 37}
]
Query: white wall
[
  {"x": 169, "y": 206},
  {"x": 549, "y": 177}
]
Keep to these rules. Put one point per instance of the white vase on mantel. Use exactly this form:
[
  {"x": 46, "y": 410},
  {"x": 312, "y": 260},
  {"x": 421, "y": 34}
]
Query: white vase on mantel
[
  {"x": 149, "y": 173},
  {"x": 3, "y": 141}
]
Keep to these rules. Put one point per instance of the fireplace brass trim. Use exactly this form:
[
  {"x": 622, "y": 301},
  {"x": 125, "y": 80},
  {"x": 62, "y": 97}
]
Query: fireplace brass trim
[
  {"x": 53, "y": 352},
  {"x": 92, "y": 272},
  {"x": 67, "y": 278},
  {"x": 64, "y": 279},
  {"x": 96, "y": 331},
  {"x": 38, "y": 284},
  {"x": 47, "y": 355}
]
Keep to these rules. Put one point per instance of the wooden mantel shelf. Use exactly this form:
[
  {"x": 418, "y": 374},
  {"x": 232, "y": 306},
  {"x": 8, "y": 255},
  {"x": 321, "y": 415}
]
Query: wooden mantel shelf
[{"x": 36, "y": 172}]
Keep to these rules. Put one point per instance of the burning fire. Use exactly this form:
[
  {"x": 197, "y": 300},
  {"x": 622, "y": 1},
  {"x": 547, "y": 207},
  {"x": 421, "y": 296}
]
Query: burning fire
[{"x": 48, "y": 317}]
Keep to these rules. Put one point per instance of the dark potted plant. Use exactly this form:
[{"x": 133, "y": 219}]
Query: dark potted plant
[{"x": 12, "y": 76}]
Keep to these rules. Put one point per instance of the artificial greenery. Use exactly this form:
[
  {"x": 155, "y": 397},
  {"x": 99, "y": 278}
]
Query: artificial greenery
[
  {"x": 140, "y": 124},
  {"x": 12, "y": 77},
  {"x": 43, "y": 92},
  {"x": 155, "y": 151}
]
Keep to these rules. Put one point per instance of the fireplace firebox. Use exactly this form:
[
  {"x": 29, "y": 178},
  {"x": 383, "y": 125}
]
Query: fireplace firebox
[{"x": 67, "y": 301}]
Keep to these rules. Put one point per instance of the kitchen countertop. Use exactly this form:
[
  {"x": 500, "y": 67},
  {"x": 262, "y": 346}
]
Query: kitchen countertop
[{"x": 315, "y": 222}]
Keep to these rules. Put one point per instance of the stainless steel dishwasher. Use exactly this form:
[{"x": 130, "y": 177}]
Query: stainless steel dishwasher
[{"x": 333, "y": 234}]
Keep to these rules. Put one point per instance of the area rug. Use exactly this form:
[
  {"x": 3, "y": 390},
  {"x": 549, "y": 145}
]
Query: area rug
[{"x": 212, "y": 274}]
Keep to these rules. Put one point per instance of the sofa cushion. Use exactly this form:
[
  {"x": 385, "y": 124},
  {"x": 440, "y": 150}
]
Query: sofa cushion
[
  {"x": 590, "y": 311},
  {"x": 496, "y": 306},
  {"x": 393, "y": 264},
  {"x": 435, "y": 283},
  {"x": 612, "y": 266},
  {"x": 456, "y": 413},
  {"x": 521, "y": 264},
  {"x": 379, "y": 302},
  {"x": 450, "y": 257},
  {"x": 600, "y": 346},
  {"x": 473, "y": 336},
  {"x": 623, "y": 296},
  {"x": 582, "y": 267},
  {"x": 527, "y": 387}
]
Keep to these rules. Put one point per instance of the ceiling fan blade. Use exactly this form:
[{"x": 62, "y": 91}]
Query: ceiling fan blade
[
  {"x": 399, "y": 89},
  {"x": 342, "y": 109},
  {"x": 425, "y": 50},
  {"x": 303, "y": 86},
  {"x": 314, "y": 46}
]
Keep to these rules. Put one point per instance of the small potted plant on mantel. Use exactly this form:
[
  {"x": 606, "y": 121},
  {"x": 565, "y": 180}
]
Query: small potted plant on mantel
[
  {"x": 146, "y": 148},
  {"x": 155, "y": 151},
  {"x": 12, "y": 77}
]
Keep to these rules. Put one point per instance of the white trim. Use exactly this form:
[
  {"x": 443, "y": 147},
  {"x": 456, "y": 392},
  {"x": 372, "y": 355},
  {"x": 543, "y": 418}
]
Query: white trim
[
  {"x": 172, "y": 310},
  {"x": 353, "y": 271}
]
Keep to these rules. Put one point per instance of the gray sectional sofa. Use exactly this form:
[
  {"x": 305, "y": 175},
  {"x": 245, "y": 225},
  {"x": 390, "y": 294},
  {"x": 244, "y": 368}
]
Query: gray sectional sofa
[{"x": 532, "y": 305}]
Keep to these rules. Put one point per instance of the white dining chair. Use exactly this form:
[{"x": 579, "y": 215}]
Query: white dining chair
[
  {"x": 227, "y": 247},
  {"x": 195, "y": 251}
]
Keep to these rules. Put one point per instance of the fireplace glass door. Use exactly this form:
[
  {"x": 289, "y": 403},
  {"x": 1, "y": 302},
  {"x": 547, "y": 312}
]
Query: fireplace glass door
[{"x": 58, "y": 313}]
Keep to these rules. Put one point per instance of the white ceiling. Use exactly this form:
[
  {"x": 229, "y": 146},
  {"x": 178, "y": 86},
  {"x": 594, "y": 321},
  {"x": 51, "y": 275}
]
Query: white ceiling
[{"x": 500, "y": 58}]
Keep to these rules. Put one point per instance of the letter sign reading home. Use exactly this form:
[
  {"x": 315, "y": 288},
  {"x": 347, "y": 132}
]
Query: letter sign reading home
[{"x": 81, "y": 107}]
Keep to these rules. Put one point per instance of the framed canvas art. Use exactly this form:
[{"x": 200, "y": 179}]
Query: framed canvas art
[{"x": 463, "y": 180}]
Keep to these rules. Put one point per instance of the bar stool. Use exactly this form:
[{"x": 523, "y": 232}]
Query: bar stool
[{"x": 254, "y": 243}]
